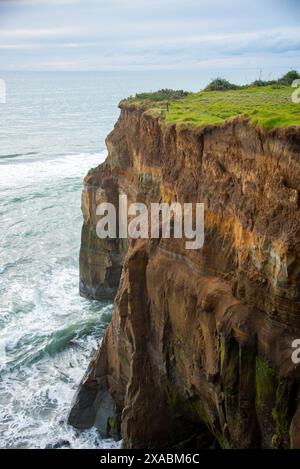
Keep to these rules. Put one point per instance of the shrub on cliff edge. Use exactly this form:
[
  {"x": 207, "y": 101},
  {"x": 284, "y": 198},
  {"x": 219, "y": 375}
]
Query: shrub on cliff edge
[
  {"x": 289, "y": 77},
  {"x": 165, "y": 94},
  {"x": 220, "y": 84}
]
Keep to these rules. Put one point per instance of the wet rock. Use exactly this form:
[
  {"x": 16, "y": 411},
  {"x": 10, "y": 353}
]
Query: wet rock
[{"x": 59, "y": 444}]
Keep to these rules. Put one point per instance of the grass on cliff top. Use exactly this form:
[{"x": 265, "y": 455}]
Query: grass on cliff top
[{"x": 266, "y": 106}]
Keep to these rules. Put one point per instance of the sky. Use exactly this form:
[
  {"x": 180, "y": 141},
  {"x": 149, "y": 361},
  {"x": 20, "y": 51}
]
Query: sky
[{"x": 150, "y": 35}]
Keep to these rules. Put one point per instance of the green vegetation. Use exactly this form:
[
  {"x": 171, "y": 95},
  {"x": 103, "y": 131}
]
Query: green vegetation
[
  {"x": 220, "y": 84},
  {"x": 282, "y": 423},
  {"x": 266, "y": 384},
  {"x": 182, "y": 339},
  {"x": 266, "y": 106},
  {"x": 162, "y": 95},
  {"x": 286, "y": 80},
  {"x": 289, "y": 77}
]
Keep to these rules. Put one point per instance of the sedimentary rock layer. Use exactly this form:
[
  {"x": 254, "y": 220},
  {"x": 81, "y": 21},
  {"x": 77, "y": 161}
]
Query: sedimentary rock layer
[{"x": 199, "y": 348}]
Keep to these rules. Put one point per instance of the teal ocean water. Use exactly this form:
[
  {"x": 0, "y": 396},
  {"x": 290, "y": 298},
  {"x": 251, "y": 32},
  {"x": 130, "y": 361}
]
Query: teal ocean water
[{"x": 52, "y": 130}]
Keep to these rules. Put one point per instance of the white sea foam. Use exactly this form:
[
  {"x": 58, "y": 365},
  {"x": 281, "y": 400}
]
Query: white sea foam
[
  {"x": 48, "y": 331},
  {"x": 26, "y": 170},
  {"x": 38, "y": 383}
]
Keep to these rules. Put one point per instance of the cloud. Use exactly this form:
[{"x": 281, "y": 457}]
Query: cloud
[
  {"x": 134, "y": 34},
  {"x": 33, "y": 33},
  {"x": 29, "y": 46},
  {"x": 18, "y": 3},
  {"x": 45, "y": 46}
]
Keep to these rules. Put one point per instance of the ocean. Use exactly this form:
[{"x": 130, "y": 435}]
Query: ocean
[{"x": 52, "y": 130}]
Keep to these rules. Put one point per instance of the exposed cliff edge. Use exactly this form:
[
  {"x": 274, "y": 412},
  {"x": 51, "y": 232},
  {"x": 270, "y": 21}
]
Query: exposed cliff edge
[{"x": 199, "y": 346}]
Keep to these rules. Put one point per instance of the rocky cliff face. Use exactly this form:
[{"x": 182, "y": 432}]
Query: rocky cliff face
[{"x": 198, "y": 351}]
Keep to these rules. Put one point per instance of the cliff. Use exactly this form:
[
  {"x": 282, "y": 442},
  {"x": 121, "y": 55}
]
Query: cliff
[{"x": 198, "y": 352}]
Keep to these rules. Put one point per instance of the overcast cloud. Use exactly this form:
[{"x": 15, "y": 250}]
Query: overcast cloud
[{"x": 149, "y": 35}]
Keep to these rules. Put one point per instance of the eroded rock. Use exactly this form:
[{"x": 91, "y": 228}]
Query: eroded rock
[{"x": 199, "y": 346}]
